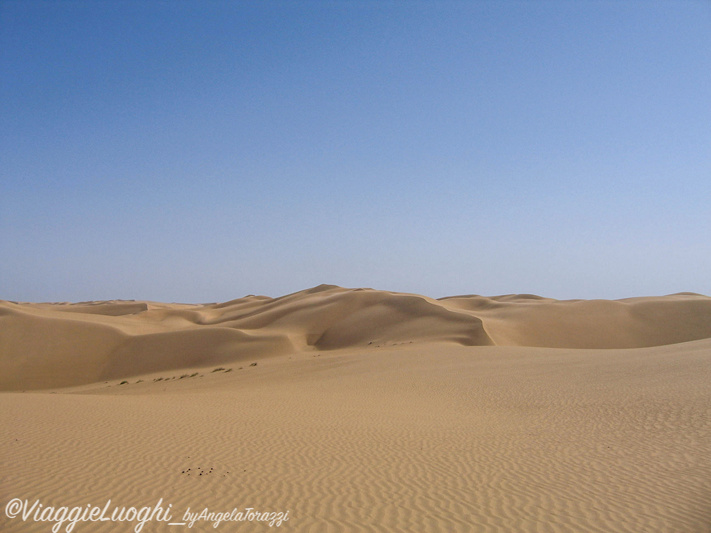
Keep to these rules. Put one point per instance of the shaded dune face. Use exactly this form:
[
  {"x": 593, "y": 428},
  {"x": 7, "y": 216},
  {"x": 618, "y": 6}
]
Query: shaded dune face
[{"x": 56, "y": 345}]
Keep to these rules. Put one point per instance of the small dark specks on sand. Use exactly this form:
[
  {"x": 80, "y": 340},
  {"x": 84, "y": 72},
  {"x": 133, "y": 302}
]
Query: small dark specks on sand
[{"x": 201, "y": 472}]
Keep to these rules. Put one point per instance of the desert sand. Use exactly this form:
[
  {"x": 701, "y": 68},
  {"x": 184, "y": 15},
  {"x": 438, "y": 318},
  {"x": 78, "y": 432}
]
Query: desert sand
[{"x": 366, "y": 410}]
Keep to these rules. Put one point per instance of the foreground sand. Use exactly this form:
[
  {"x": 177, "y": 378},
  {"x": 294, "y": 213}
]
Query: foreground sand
[{"x": 439, "y": 434}]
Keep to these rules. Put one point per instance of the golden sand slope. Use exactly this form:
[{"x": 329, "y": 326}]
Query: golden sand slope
[
  {"x": 58, "y": 345},
  {"x": 364, "y": 411},
  {"x": 428, "y": 437}
]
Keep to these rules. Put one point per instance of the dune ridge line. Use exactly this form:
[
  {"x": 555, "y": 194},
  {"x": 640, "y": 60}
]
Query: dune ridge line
[{"x": 49, "y": 345}]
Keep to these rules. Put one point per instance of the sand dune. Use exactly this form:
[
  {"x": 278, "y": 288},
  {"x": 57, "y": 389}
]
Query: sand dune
[
  {"x": 363, "y": 411},
  {"x": 58, "y": 345}
]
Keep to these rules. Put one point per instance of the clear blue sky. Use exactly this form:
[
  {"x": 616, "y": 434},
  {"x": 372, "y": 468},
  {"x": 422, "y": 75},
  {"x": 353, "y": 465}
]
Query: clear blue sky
[{"x": 201, "y": 151}]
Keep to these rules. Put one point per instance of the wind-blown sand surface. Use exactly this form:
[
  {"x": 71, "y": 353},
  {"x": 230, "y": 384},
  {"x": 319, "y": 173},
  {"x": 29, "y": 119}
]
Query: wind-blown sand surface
[{"x": 366, "y": 411}]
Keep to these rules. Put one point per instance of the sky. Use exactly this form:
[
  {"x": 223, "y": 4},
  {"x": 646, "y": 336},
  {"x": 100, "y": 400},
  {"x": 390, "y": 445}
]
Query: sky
[{"x": 200, "y": 151}]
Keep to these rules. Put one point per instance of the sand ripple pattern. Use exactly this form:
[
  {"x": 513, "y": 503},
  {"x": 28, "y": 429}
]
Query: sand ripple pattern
[{"x": 404, "y": 439}]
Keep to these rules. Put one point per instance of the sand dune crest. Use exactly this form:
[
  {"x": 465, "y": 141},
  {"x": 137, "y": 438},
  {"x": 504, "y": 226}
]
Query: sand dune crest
[{"x": 56, "y": 345}]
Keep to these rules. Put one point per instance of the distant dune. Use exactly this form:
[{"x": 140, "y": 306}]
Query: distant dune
[{"x": 65, "y": 344}]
